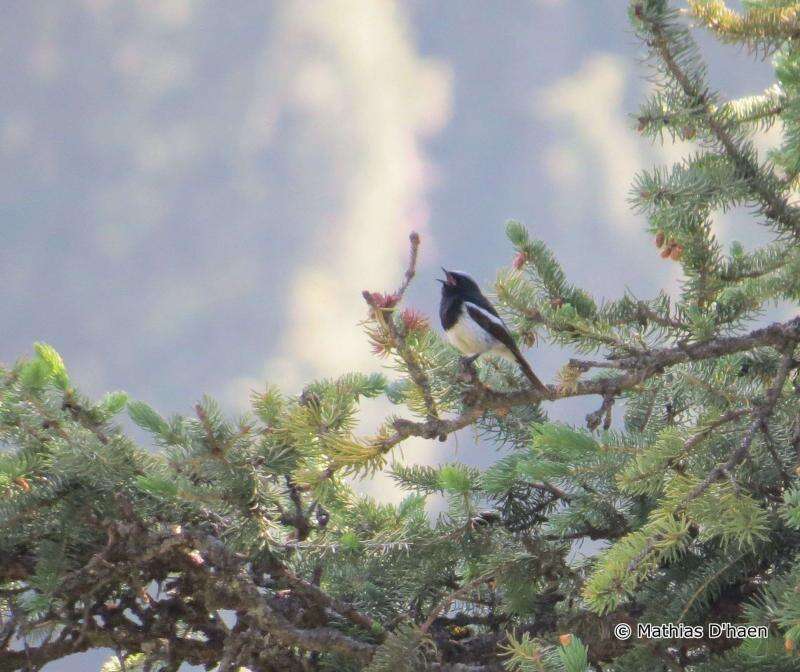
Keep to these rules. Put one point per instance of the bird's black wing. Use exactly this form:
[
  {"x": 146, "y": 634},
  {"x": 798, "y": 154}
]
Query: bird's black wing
[
  {"x": 482, "y": 302},
  {"x": 496, "y": 328},
  {"x": 493, "y": 326}
]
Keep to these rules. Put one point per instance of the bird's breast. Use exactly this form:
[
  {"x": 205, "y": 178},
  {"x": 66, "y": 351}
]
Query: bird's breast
[{"x": 468, "y": 337}]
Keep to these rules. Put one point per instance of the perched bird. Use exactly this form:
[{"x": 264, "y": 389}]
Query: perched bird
[{"x": 473, "y": 326}]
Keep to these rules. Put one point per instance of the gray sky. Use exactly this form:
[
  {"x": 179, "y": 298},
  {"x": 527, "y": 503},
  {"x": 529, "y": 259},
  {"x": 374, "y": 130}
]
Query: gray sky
[{"x": 193, "y": 194}]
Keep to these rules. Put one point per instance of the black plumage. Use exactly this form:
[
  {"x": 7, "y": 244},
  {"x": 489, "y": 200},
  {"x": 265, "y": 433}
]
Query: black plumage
[{"x": 473, "y": 326}]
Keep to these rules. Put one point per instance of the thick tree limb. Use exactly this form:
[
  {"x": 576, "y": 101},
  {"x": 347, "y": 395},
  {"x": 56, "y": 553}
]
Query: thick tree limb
[{"x": 639, "y": 368}]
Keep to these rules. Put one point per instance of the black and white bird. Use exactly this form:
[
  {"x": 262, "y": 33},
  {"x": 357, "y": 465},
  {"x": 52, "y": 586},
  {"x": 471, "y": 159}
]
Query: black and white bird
[{"x": 473, "y": 326}]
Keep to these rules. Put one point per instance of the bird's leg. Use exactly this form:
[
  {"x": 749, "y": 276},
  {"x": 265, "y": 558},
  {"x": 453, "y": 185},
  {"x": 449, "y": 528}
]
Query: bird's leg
[{"x": 467, "y": 365}]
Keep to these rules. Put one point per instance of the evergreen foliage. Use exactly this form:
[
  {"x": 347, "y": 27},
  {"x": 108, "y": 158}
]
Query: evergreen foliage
[{"x": 240, "y": 544}]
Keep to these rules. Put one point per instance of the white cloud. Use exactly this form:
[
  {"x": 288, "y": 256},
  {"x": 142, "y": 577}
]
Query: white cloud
[
  {"x": 348, "y": 70},
  {"x": 597, "y": 148},
  {"x": 173, "y": 13},
  {"x": 596, "y": 145},
  {"x": 366, "y": 100}
]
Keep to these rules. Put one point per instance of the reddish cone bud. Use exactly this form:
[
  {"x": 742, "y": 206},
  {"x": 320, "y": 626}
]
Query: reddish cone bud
[
  {"x": 676, "y": 252},
  {"x": 413, "y": 320},
  {"x": 385, "y": 301}
]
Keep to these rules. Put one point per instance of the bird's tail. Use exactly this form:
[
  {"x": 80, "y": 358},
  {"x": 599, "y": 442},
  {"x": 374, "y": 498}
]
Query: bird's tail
[{"x": 528, "y": 371}]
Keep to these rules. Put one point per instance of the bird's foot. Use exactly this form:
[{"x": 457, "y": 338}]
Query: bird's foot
[{"x": 468, "y": 374}]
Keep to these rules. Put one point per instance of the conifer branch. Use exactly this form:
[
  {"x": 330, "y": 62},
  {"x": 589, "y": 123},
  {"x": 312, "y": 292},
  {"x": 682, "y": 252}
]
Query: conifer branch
[
  {"x": 757, "y": 26},
  {"x": 762, "y": 413},
  {"x": 728, "y": 416},
  {"x": 106, "y": 544},
  {"x": 640, "y": 368},
  {"x": 760, "y": 179},
  {"x": 647, "y": 313},
  {"x": 224, "y": 577},
  {"x": 327, "y": 601}
]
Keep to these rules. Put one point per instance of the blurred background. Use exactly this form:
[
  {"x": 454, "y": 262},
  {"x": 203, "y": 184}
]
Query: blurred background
[{"x": 193, "y": 193}]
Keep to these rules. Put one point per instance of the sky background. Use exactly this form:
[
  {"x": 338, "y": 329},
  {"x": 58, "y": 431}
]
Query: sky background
[{"x": 193, "y": 194}]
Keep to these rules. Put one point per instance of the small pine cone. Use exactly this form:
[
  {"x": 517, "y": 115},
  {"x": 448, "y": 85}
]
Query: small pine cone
[
  {"x": 23, "y": 483},
  {"x": 666, "y": 252},
  {"x": 565, "y": 640},
  {"x": 460, "y": 632},
  {"x": 520, "y": 258},
  {"x": 788, "y": 644},
  {"x": 195, "y": 558},
  {"x": 676, "y": 252},
  {"x": 557, "y": 302},
  {"x": 688, "y": 132},
  {"x": 660, "y": 239}
]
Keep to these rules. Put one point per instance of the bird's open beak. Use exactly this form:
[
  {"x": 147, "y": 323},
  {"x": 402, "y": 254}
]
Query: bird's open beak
[{"x": 449, "y": 279}]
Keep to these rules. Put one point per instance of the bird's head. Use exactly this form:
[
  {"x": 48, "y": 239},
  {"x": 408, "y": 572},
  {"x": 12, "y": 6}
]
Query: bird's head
[{"x": 456, "y": 282}]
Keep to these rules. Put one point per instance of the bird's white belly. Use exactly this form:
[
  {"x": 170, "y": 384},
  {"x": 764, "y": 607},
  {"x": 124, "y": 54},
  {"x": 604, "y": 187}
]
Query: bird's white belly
[{"x": 469, "y": 338}]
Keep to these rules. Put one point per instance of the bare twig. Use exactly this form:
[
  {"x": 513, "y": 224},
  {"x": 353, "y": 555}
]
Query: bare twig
[
  {"x": 602, "y": 414},
  {"x": 445, "y": 603},
  {"x": 411, "y": 270}
]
